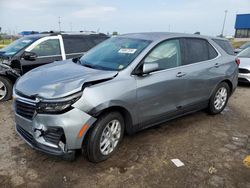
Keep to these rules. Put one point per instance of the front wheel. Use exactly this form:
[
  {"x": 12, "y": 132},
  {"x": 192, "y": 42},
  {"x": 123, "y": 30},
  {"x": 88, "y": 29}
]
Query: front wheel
[
  {"x": 219, "y": 99},
  {"x": 105, "y": 136},
  {"x": 5, "y": 89}
]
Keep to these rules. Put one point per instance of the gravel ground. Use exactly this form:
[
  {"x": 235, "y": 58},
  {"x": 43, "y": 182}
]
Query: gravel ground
[{"x": 211, "y": 147}]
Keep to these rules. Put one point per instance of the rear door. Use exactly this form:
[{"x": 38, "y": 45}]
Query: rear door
[
  {"x": 47, "y": 49},
  {"x": 200, "y": 71}
]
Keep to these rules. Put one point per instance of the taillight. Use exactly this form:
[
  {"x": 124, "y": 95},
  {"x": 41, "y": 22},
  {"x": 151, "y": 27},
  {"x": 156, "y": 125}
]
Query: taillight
[{"x": 237, "y": 61}]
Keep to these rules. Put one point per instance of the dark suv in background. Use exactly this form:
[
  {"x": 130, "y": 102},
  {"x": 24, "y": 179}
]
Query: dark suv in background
[{"x": 32, "y": 51}]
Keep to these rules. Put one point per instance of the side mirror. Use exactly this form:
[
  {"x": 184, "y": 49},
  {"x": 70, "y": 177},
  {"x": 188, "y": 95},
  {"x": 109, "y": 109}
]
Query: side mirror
[
  {"x": 150, "y": 67},
  {"x": 29, "y": 56}
]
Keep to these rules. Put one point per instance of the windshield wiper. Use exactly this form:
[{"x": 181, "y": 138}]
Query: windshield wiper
[{"x": 88, "y": 65}]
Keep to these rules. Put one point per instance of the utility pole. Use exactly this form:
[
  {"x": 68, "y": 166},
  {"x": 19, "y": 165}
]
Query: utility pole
[
  {"x": 59, "y": 23},
  {"x": 222, "y": 31},
  {"x": 70, "y": 26}
]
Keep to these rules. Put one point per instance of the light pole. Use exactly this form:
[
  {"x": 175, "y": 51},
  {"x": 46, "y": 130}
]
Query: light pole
[
  {"x": 70, "y": 26},
  {"x": 59, "y": 23},
  {"x": 222, "y": 31}
]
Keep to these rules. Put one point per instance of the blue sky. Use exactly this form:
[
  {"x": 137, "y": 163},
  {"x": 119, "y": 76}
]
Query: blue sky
[{"x": 127, "y": 16}]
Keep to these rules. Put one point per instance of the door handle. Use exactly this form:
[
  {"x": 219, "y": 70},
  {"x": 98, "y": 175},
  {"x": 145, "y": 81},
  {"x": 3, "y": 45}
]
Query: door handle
[
  {"x": 180, "y": 74},
  {"x": 216, "y": 65}
]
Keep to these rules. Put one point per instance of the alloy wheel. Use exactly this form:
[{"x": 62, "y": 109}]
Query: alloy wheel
[
  {"x": 220, "y": 98},
  {"x": 3, "y": 90},
  {"x": 110, "y": 137}
]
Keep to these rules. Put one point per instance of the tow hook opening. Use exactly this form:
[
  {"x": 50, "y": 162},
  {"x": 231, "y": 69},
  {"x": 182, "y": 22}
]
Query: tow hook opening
[{"x": 56, "y": 136}]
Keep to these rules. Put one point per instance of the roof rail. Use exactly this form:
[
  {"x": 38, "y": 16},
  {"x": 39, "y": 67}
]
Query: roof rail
[{"x": 72, "y": 33}]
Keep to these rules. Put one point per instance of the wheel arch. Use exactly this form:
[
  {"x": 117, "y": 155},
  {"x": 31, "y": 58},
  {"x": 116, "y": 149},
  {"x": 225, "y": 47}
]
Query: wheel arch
[
  {"x": 9, "y": 77},
  {"x": 230, "y": 84},
  {"x": 123, "y": 111}
]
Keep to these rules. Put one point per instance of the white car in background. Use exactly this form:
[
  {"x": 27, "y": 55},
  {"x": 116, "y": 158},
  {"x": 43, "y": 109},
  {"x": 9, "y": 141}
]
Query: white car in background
[{"x": 244, "y": 67}]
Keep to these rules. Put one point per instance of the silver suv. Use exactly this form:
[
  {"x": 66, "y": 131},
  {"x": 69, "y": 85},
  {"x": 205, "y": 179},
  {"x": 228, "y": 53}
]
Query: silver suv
[{"x": 123, "y": 85}]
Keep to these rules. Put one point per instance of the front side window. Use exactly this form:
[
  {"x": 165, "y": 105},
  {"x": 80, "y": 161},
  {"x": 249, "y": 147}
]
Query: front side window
[
  {"x": 114, "y": 54},
  {"x": 166, "y": 55},
  {"x": 48, "y": 48}
]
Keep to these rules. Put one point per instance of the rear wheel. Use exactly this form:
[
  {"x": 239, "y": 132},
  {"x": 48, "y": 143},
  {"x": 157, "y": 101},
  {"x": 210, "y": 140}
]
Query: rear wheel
[
  {"x": 219, "y": 99},
  {"x": 5, "y": 89},
  {"x": 105, "y": 137}
]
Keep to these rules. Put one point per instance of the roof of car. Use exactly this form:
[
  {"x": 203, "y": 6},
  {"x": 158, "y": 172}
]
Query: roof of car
[
  {"x": 45, "y": 34},
  {"x": 154, "y": 36}
]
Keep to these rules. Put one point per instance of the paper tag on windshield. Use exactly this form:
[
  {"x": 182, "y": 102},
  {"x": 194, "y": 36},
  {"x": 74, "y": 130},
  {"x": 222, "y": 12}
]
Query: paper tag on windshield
[
  {"x": 26, "y": 41},
  {"x": 127, "y": 51}
]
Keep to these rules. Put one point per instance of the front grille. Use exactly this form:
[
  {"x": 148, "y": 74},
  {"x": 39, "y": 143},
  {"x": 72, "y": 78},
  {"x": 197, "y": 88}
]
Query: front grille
[
  {"x": 26, "y": 135},
  {"x": 243, "y": 71},
  {"x": 24, "y": 109}
]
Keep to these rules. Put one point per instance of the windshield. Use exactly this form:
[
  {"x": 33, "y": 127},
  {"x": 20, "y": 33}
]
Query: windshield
[
  {"x": 246, "y": 45},
  {"x": 114, "y": 54},
  {"x": 17, "y": 45},
  {"x": 245, "y": 53}
]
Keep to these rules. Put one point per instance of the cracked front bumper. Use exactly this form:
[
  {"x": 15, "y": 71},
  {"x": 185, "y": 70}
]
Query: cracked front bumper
[{"x": 70, "y": 122}]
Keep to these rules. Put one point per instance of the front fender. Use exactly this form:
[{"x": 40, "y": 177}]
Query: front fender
[{"x": 6, "y": 70}]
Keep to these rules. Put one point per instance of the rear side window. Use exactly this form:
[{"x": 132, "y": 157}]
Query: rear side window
[
  {"x": 75, "y": 45},
  {"x": 225, "y": 45},
  {"x": 80, "y": 44},
  {"x": 196, "y": 50}
]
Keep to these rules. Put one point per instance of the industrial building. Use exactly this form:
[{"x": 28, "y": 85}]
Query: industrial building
[{"x": 242, "y": 26}]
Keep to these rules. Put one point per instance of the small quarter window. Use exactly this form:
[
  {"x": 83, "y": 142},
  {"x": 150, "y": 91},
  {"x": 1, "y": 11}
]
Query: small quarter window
[
  {"x": 225, "y": 45},
  {"x": 212, "y": 52}
]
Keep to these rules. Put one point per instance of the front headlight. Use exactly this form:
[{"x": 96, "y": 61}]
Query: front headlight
[
  {"x": 58, "y": 106},
  {"x": 5, "y": 61}
]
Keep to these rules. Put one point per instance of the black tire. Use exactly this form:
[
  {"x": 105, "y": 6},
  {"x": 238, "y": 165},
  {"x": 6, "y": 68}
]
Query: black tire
[
  {"x": 8, "y": 85},
  {"x": 92, "y": 144},
  {"x": 211, "y": 108}
]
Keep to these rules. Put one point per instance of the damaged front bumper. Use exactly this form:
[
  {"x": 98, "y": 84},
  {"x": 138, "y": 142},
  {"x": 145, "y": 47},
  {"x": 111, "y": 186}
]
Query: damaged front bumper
[{"x": 54, "y": 134}]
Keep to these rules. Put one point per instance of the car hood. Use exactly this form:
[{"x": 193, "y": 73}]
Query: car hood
[
  {"x": 59, "y": 79},
  {"x": 244, "y": 63}
]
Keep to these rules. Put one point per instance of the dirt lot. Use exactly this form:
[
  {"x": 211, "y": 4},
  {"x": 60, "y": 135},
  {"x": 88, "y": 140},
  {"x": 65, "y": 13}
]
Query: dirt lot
[{"x": 211, "y": 147}]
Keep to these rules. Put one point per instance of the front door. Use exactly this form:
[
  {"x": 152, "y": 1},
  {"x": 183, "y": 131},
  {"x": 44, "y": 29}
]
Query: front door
[
  {"x": 160, "y": 93},
  {"x": 47, "y": 49}
]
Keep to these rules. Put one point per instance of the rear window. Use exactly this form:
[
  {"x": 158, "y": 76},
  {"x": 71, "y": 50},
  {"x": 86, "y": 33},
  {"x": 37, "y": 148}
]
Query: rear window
[{"x": 225, "y": 45}]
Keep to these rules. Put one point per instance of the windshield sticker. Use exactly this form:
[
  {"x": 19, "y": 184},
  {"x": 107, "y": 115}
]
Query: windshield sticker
[
  {"x": 127, "y": 51},
  {"x": 26, "y": 41}
]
